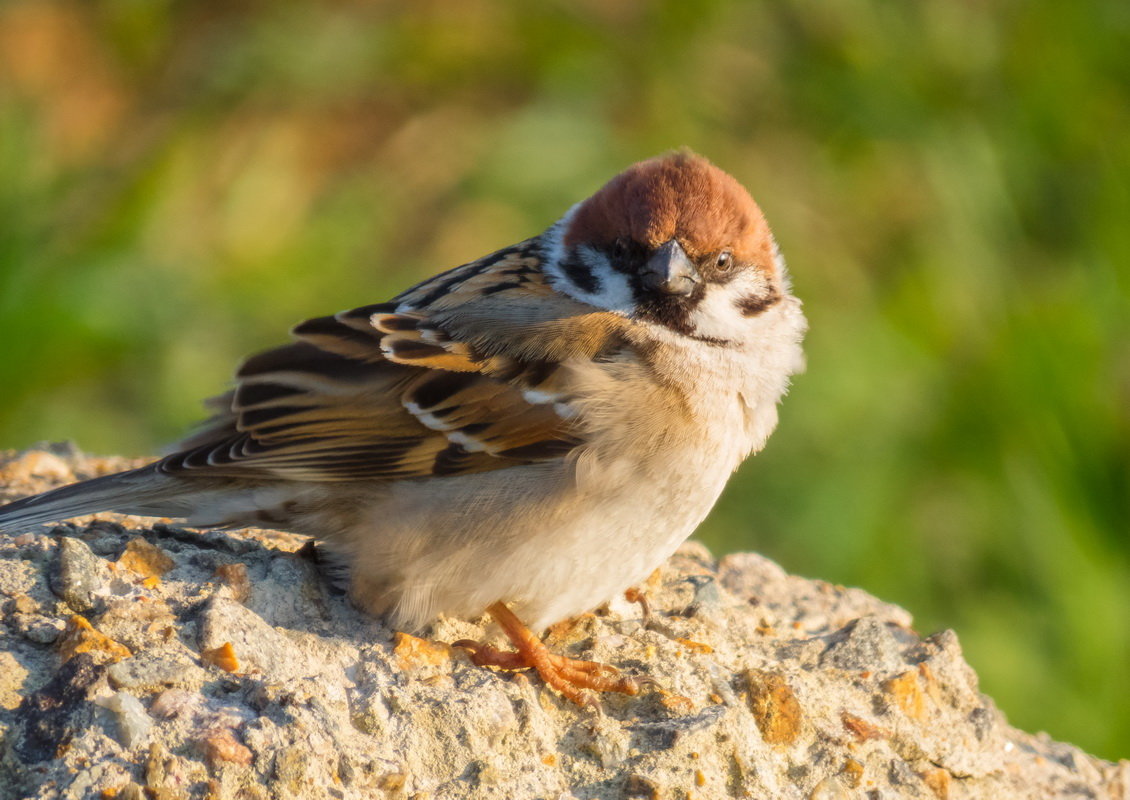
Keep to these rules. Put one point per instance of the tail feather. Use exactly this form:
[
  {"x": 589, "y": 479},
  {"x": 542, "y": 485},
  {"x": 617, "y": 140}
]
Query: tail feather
[{"x": 139, "y": 491}]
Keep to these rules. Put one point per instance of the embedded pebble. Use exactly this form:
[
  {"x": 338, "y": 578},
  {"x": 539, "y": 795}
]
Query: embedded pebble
[
  {"x": 775, "y": 707},
  {"x": 223, "y": 657},
  {"x": 132, "y": 719},
  {"x": 82, "y": 637},
  {"x": 865, "y": 644},
  {"x": 173, "y": 703},
  {"x": 221, "y": 745},
  {"x": 78, "y": 576},
  {"x": 145, "y": 558},
  {"x": 146, "y": 673},
  {"x": 38, "y": 628},
  {"x": 38, "y": 464},
  {"x": 131, "y": 791}
]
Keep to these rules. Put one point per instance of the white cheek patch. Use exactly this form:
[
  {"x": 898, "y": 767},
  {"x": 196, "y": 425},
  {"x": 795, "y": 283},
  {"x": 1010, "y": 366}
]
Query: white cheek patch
[
  {"x": 610, "y": 289},
  {"x": 718, "y": 315},
  {"x": 613, "y": 291}
]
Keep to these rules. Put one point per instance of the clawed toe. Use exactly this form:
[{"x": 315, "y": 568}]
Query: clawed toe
[
  {"x": 578, "y": 680},
  {"x": 483, "y": 655}
]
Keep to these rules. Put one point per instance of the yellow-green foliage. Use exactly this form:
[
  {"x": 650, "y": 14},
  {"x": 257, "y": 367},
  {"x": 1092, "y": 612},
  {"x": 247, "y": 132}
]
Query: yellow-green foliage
[{"x": 179, "y": 182}]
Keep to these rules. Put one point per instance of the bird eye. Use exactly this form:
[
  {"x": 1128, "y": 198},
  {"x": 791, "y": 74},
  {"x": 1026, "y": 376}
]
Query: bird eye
[
  {"x": 619, "y": 249},
  {"x": 725, "y": 260}
]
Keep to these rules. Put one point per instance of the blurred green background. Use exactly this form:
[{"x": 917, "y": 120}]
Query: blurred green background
[{"x": 950, "y": 181}]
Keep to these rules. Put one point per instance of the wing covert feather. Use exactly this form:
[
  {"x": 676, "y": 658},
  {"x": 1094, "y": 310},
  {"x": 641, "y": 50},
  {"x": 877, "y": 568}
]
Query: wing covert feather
[{"x": 459, "y": 374}]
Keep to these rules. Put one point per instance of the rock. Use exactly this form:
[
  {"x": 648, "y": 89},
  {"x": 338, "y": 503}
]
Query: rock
[
  {"x": 38, "y": 628},
  {"x": 261, "y": 681},
  {"x": 38, "y": 464},
  {"x": 82, "y": 637},
  {"x": 865, "y": 644},
  {"x": 139, "y": 622},
  {"x": 145, "y": 558},
  {"x": 221, "y": 745},
  {"x": 223, "y": 657},
  {"x": 79, "y": 576},
  {"x": 132, "y": 718},
  {"x": 775, "y": 707},
  {"x": 146, "y": 673},
  {"x": 228, "y": 627},
  {"x": 131, "y": 791}
]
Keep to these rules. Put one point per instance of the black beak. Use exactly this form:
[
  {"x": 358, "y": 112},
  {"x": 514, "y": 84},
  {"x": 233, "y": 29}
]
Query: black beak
[{"x": 670, "y": 271}]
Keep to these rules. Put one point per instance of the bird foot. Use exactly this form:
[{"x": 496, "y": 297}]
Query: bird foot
[{"x": 577, "y": 680}]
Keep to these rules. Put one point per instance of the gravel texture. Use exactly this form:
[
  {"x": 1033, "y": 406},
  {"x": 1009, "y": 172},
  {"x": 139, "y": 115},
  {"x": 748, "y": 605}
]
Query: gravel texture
[{"x": 143, "y": 660}]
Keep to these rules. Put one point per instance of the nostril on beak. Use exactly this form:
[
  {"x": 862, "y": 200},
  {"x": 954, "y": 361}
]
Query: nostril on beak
[{"x": 669, "y": 271}]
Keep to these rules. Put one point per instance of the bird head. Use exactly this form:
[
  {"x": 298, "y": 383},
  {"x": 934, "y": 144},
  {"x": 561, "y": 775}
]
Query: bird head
[{"x": 675, "y": 241}]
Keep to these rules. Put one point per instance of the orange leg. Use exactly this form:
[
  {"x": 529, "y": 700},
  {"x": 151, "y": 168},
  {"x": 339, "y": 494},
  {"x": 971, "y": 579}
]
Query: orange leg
[
  {"x": 575, "y": 679},
  {"x": 637, "y": 595}
]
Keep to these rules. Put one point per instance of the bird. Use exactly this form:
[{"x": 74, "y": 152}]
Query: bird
[{"x": 528, "y": 434}]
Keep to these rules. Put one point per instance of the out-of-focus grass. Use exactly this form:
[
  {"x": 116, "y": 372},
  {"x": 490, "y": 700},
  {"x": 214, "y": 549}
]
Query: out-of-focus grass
[{"x": 950, "y": 182}]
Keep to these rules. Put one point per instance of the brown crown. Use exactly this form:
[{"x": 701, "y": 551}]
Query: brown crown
[{"x": 678, "y": 195}]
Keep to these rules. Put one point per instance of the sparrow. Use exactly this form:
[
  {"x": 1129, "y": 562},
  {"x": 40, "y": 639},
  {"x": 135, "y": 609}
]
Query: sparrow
[{"x": 528, "y": 434}]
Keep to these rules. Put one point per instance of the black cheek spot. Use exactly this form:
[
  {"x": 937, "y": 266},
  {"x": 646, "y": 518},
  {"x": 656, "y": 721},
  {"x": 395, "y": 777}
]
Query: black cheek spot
[
  {"x": 581, "y": 274},
  {"x": 752, "y": 306}
]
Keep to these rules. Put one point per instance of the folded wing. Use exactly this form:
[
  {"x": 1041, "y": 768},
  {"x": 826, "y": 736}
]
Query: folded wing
[{"x": 460, "y": 374}]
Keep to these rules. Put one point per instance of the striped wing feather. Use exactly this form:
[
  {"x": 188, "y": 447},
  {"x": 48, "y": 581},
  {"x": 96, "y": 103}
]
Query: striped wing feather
[{"x": 435, "y": 383}]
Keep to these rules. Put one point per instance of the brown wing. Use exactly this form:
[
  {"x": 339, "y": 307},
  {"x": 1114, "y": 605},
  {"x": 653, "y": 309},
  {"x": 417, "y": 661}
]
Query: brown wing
[{"x": 457, "y": 375}]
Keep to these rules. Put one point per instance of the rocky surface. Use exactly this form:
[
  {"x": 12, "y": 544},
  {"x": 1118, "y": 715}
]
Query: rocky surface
[{"x": 143, "y": 660}]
